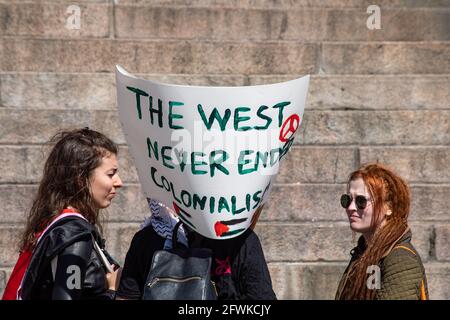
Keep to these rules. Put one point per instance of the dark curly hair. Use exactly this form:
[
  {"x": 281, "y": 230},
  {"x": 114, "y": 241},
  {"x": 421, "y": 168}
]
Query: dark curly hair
[{"x": 65, "y": 180}]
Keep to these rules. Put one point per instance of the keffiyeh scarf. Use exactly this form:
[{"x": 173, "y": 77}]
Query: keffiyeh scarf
[{"x": 163, "y": 220}]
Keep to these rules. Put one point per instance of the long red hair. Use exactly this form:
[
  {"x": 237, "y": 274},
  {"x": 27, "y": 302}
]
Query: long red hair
[{"x": 388, "y": 191}]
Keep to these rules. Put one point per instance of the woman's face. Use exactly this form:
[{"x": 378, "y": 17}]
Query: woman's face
[
  {"x": 104, "y": 181},
  {"x": 360, "y": 219}
]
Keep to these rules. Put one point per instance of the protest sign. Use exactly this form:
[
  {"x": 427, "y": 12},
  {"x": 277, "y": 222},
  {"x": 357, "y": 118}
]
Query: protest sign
[{"x": 210, "y": 153}]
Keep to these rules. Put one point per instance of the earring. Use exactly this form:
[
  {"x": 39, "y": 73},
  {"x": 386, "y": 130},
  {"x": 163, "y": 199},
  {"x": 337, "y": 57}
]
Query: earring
[{"x": 389, "y": 212}]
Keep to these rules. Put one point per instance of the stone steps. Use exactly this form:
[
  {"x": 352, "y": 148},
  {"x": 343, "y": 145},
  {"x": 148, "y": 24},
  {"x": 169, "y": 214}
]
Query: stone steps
[
  {"x": 375, "y": 95},
  {"x": 224, "y": 24},
  {"x": 286, "y": 4},
  {"x": 130, "y": 204},
  {"x": 318, "y": 127},
  {"x": 301, "y": 242},
  {"x": 320, "y": 280},
  {"x": 331, "y": 164},
  {"x": 97, "y": 91},
  {"x": 200, "y": 57},
  {"x": 326, "y": 241},
  {"x": 318, "y": 24}
]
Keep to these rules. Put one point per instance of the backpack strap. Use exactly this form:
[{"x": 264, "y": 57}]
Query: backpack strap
[
  {"x": 102, "y": 256},
  {"x": 58, "y": 218},
  {"x": 175, "y": 235},
  {"x": 65, "y": 213},
  {"x": 423, "y": 294},
  {"x": 98, "y": 250},
  {"x": 54, "y": 264},
  {"x": 405, "y": 248}
]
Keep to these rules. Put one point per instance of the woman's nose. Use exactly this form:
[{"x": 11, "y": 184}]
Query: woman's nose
[
  {"x": 118, "y": 182},
  {"x": 352, "y": 205}
]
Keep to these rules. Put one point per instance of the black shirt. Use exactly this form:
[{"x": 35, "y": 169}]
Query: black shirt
[{"x": 239, "y": 268}]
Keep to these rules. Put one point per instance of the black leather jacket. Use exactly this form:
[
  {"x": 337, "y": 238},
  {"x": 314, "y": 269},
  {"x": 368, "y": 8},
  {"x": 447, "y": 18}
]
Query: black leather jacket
[{"x": 79, "y": 272}]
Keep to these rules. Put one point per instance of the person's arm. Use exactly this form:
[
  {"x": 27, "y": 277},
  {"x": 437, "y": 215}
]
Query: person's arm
[
  {"x": 71, "y": 268},
  {"x": 255, "y": 281},
  {"x": 401, "y": 277},
  {"x": 136, "y": 266}
]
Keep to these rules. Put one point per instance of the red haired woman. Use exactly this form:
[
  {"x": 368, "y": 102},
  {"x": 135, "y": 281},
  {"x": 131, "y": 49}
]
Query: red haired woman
[{"x": 384, "y": 264}]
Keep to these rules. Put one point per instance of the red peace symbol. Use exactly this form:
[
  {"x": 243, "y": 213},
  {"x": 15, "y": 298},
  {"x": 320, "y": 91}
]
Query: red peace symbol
[{"x": 292, "y": 124}]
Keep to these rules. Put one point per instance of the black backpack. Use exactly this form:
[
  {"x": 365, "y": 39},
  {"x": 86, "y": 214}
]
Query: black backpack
[{"x": 180, "y": 273}]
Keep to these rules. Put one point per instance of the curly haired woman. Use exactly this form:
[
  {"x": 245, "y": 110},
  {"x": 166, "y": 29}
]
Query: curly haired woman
[{"x": 61, "y": 247}]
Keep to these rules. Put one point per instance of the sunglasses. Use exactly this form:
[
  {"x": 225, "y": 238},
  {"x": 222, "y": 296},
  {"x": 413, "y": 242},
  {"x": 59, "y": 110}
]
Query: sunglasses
[{"x": 360, "y": 201}]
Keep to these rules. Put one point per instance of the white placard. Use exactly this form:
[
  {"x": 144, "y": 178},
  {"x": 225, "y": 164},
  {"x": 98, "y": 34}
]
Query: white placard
[{"x": 210, "y": 153}]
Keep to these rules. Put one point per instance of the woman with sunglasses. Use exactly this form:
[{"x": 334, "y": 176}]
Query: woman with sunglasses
[{"x": 384, "y": 264}]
